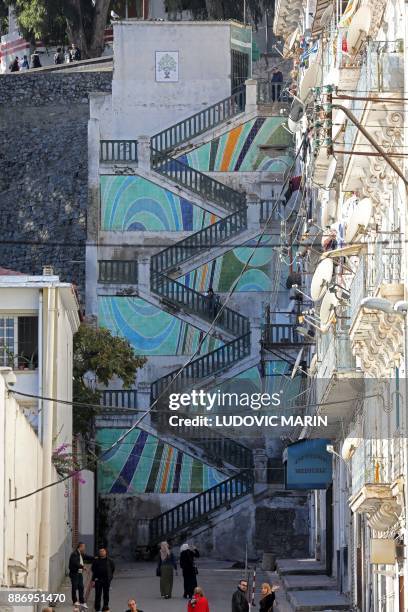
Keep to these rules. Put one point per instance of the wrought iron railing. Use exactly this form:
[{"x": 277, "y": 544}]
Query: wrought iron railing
[
  {"x": 281, "y": 333},
  {"x": 117, "y": 271},
  {"x": 207, "y": 365},
  {"x": 269, "y": 92},
  {"x": 119, "y": 398},
  {"x": 207, "y": 238},
  {"x": 200, "y": 122},
  {"x": 198, "y": 507},
  {"x": 118, "y": 151},
  {"x": 271, "y": 210},
  {"x": 196, "y": 181},
  {"x": 195, "y": 302}
]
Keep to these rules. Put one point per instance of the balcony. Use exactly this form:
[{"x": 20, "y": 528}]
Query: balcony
[
  {"x": 376, "y": 337},
  {"x": 337, "y": 380},
  {"x": 118, "y": 151},
  {"x": 281, "y": 335},
  {"x": 372, "y": 492},
  {"x": 117, "y": 272}
]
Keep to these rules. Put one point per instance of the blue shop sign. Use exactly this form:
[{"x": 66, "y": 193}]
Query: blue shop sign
[{"x": 308, "y": 465}]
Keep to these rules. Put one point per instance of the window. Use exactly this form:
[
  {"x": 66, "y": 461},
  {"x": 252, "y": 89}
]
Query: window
[{"x": 19, "y": 342}]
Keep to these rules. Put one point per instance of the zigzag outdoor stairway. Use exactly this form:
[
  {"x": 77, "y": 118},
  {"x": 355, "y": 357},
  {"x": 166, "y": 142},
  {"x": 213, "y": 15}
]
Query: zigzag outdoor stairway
[{"x": 166, "y": 261}]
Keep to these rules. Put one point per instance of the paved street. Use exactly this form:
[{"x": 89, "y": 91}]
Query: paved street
[{"x": 139, "y": 580}]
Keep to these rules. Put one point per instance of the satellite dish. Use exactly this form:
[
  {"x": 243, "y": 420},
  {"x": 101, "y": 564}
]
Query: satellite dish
[
  {"x": 293, "y": 126},
  {"x": 289, "y": 43},
  {"x": 359, "y": 220},
  {"x": 331, "y": 171},
  {"x": 328, "y": 308},
  {"x": 296, "y": 112},
  {"x": 359, "y": 26},
  {"x": 326, "y": 17},
  {"x": 321, "y": 279},
  {"x": 311, "y": 77},
  {"x": 297, "y": 363}
]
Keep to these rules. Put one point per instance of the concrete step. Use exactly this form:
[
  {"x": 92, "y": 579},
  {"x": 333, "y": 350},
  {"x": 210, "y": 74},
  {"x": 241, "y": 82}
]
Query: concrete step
[
  {"x": 299, "y": 566},
  {"x": 314, "y": 601},
  {"x": 308, "y": 582}
]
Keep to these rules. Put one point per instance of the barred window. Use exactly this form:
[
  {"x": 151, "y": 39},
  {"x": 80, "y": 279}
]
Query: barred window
[{"x": 19, "y": 342}]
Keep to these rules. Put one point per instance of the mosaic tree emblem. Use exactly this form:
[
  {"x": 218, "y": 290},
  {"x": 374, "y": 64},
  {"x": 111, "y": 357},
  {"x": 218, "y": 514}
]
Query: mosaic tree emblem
[{"x": 167, "y": 66}]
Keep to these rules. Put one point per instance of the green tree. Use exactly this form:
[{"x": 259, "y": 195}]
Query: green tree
[
  {"x": 61, "y": 21},
  {"x": 104, "y": 356}
]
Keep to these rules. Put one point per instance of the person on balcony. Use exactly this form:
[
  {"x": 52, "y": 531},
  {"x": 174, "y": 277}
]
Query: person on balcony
[
  {"x": 198, "y": 602},
  {"x": 165, "y": 569},
  {"x": 188, "y": 554},
  {"x": 277, "y": 80}
]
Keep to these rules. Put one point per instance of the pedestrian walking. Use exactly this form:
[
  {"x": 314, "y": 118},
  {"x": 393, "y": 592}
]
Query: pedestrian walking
[
  {"x": 239, "y": 598},
  {"x": 214, "y": 303},
  {"x": 76, "y": 568},
  {"x": 198, "y": 603},
  {"x": 103, "y": 569},
  {"x": 188, "y": 555},
  {"x": 35, "y": 60},
  {"x": 266, "y": 603},
  {"x": 165, "y": 569},
  {"x": 14, "y": 66},
  {"x": 58, "y": 57},
  {"x": 132, "y": 606},
  {"x": 24, "y": 65},
  {"x": 75, "y": 53}
]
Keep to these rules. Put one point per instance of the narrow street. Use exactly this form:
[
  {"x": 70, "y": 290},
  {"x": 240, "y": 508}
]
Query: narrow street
[{"x": 139, "y": 580}]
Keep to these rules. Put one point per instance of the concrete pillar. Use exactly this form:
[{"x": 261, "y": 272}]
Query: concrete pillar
[
  {"x": 143, "y": 274},
  {"x": 251, "y": 95},
  {"x": 254, "y": 212},
  {"x": 260, "y": 465},
  {"x": 143, "y": 152},
  {"x": 255, "y": 336}
]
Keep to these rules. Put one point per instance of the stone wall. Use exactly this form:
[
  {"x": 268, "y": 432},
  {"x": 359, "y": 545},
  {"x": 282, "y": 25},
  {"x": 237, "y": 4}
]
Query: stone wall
[{"x": 43, "y": 169}]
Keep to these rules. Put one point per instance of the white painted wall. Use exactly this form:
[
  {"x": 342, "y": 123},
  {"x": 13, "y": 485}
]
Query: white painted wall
[{"x": 142, "y": 106}]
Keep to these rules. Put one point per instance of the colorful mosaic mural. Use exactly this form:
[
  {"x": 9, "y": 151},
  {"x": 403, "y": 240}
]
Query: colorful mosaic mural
[
  {"x": 144, "y": 464},
  {"x": 239, "y": 149},
  {"x": 132, "y": 203},
  {"x": 150, "y": 331},
  {"x": 221, "y": 273}
]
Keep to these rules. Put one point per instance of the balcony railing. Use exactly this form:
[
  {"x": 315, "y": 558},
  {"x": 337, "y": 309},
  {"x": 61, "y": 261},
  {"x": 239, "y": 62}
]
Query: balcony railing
[
  {"x": 281, "y": 334},
  {"x": 268, "y": 92},
  {"x": 381, "y": 267},
  {"x": 118, "y": 151},
  {"x": 368, "y": 463},
  {"x": 119, "y": 398},
  {"x": 117, "y": 271},
  {"x": 271, "y": 210}
]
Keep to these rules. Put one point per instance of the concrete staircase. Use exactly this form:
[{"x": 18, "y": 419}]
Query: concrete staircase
[{"x": 308, "y": 588}]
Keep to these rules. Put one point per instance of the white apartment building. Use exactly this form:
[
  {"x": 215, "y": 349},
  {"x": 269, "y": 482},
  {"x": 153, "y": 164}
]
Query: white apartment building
[
  {"x": 38, "y": 317},
  {"x": 349, "y": 73}
]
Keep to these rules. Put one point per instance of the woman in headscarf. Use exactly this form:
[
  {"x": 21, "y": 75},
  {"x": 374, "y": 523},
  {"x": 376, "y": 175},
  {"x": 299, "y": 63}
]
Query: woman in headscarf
[
  {"x": 268, "y": 597},
  {"x": 165, "y": 569},
  {"x": 188, "y": 554}
]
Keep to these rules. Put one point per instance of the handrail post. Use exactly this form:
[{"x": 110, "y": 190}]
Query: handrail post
[{"x": 143, "y": 152}]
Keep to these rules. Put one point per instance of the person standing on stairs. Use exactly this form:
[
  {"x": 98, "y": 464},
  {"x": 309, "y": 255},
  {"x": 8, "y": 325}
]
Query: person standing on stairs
[
  {"x": 239, "y": 598},
  {"x": 214, "y": 303},
  {"x": 165, "y": 569},
  {"x": 188, "y": 554}
]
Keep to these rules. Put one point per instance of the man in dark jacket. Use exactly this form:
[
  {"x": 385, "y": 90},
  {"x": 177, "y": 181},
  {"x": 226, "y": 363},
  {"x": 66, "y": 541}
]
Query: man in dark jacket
[
  {"x": 102, "y": 573},
  {"x": 239, "y": 600},
  {"x": 77, "y": 561}
]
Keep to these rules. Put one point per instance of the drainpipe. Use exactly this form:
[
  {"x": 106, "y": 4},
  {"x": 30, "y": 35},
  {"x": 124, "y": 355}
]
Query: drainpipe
[
  {"x": 40, "y": 363},
  {"x": 47, "y": 424}
]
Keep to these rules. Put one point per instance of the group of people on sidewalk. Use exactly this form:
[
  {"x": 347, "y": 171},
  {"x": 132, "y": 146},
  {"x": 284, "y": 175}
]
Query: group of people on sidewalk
[
  {"x": 103, "y": 569},
  {"x": 19, "y": 64}
]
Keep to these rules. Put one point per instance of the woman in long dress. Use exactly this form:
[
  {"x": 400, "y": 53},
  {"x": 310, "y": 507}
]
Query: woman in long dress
[
  {"x": 165, "y": 569},
  {"x": 188, "y": 554}
]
